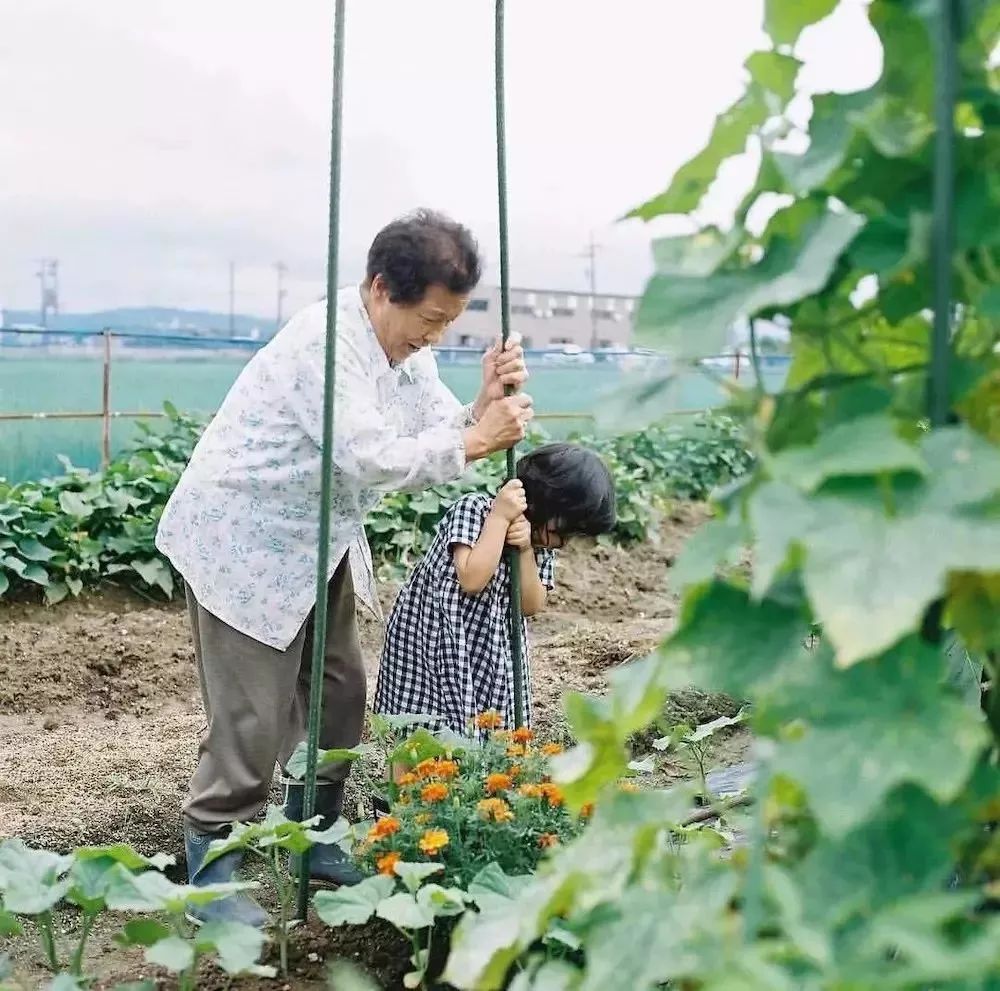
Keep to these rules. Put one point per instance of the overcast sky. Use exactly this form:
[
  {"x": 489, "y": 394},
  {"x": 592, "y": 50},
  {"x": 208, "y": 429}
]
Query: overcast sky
[{"x": 145, "y": 143}]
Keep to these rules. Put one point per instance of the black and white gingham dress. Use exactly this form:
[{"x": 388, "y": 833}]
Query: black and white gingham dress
[{"x": 447, "y": 654}]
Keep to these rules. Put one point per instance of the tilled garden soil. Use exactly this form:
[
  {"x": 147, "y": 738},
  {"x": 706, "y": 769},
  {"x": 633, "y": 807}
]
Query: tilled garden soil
[{"x": 100, "y": 715}]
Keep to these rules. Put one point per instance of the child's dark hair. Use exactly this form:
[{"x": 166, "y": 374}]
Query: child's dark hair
[{"x": 569, "y": 488}]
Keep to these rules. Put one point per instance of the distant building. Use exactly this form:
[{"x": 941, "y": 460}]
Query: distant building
[{"x": 547, "y": 318}]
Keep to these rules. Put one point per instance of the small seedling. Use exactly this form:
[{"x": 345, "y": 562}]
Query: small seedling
[{"x": 269, "y": 841}]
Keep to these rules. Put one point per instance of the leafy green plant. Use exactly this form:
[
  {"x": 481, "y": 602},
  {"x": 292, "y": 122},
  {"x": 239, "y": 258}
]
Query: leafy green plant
[
  {"x": 872, "y": 858},
  {"x": 64, "y": 534},
  {"x": 271, "y": 842}
]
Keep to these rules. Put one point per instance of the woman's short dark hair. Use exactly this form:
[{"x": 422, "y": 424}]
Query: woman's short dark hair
[
  {"x": 424, "y": 249},
  {"x": 568, "y": 487}
]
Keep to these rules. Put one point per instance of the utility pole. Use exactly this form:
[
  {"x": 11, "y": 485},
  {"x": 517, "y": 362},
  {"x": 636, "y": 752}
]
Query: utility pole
[
  {"x": 232, "y": 299},
  {"x": 591, "y": 255},
  {"x": 282, "y": 269},
  {"x": 48, "y": 279}
]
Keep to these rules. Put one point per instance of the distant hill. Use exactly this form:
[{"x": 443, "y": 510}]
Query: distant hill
[{"x": 151, "y": 319}]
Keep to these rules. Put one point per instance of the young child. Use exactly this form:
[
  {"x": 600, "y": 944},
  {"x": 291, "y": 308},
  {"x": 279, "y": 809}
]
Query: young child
[{"x": 447, "y": 646}]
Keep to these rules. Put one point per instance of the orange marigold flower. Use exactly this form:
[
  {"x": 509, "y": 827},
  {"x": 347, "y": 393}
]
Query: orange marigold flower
[
  {"x": 426, "y": 768},
  {"x": 446, "y": 769},
  {"x": 551, "y": 793},
  {"x": 434, "y": 792},
  {"x": 407, "y": 779},
  {"x": 489, "y": 720},
  {"x": 514, "y": 770},
  {"x": 587, "y": 810},
  {"x": 522, "y": 735},
  {"x": 384, "y": 828},
  {"x": 531, "y": 791},
  {"x": 551, "y": 749},
  {"x": 386, "y": 864},
  {"x": 628, "y": 786},
  {"x": 433, "y": 841},
  {"x": 498, "y": 782},
  {"x": 496, "y": 809},
  {"x": 515, "y": 750},
  {"x": 547, "y": 840}
]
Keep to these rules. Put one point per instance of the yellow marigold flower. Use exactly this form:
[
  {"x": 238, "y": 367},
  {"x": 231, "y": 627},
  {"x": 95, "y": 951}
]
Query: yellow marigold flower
[
  {"x": 547, "y": 840},
  {"x": 496, "y": 809},
  {"x": 433, "y": 841},
  {"x": 498, "y": 782},
  {"x": 422, "y": 818},
  {"x": 522, "y": 735},
  {"x": 502, "y": 735},
  {"x": 434, "y": 792},
  {"x": 515, "y": 750},
  {"x": 407, "y": 779},
  {"x": 384, "y": 828},
  {"x": 386, "y": 864},
  {"x": 551, "y": 793},
  {"x": 551, "y": 749},
  {"x": 531, "y": 791},
  {"x": 628, "y": 786}
]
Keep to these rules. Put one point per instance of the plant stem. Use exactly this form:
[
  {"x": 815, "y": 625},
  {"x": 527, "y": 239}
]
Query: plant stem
[
  {"x": 284, "y": 899},
  {"x": 755, "y": 357},
  {"x": 48, "y": 939},
  {"x": 76, "y": 967}
]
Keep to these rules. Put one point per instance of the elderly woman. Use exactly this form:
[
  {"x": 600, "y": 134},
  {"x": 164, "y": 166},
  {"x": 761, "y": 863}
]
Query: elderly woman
[{"x": 242, "y": 527}]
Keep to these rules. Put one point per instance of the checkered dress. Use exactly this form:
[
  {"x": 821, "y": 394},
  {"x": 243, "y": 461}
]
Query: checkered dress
[{"x": 447, "y": 654}]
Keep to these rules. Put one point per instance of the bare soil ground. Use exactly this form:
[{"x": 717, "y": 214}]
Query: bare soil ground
[{"x": 100, "y": 716}]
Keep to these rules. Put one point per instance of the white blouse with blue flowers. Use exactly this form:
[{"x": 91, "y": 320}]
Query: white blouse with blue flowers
[{"x": 242, "y": 526}]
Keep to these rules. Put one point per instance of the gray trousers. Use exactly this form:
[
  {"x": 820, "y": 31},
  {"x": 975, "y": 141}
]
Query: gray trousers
[{"x": 256, "y": 702}]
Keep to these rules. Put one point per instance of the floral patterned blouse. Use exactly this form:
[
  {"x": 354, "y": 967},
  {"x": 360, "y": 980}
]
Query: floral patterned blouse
[{"x": 242, "y": 526}]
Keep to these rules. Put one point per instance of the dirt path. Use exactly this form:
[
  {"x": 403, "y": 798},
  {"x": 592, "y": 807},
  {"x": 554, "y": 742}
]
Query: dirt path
[{"x": 100, "y": 712}]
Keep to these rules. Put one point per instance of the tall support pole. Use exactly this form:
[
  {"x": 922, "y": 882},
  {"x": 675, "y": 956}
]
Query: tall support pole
[{"x": 326, "y": 484}]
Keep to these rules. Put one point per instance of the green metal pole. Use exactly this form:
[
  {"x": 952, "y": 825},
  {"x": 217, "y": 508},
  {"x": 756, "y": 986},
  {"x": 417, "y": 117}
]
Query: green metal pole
[
  {"x": 326, "y": 469},
  {"x": 513, "y": 557},
  {"x": 943, "y": 231}
]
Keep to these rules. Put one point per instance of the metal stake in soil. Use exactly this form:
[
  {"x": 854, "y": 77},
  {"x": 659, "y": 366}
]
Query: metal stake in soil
[
  {"x": 326, "y": 485},
  {"x": 513, "y": 558}
]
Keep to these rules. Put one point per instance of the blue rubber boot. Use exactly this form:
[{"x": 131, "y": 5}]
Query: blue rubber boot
[
  {"x": 328, "y": 864},
  {"x": 241, "y": 907}
]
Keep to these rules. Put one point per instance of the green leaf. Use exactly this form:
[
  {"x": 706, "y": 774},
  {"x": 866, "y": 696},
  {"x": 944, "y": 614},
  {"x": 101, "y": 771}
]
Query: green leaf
[
  {"x": 353, "y": 905},
  {"x": 173, "y": 953},
  {"x": 441, "y": 901},
  {"x": 122, "y": 853},
  {"x": 868, "y": 445},
  {"x": 143, "y": 932},
  {"x": 405, "y": 912},
  {"x": 9, "y": 924},
  {"x": 155, "y": 572},
  {"x": 717, "y": 541},
  {"x": 33, "y": 550},
  {"x": 492, "y": 885},
  {"x": 697, "y": 255},
  {"x": 237, "y": 946},
  {"x": 414, "y": 874},
  {"x": 75, "y": 505},
  {"x": 4, "y": 583},
  {"x": 55, "y": 593},
  {"x": 31, "y": 881},
  {"x": 673, "y": 306},
  {"x": 345, "y": 976},
  {"x": 867, "y": 549},
  {"x": 775, "y": 73},
  {"x": 706, "y": 730},
  {"x": 29, "y": 572},
  {"x": 873, "y": 727},
  {"x": 830, "y": 134},
  {"x": 785, "y": 21},
  {"x": 296, "y": 766}
]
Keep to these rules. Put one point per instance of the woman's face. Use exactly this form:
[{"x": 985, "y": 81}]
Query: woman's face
[
  {"x": 549, "y": 538},
  {"x": 404, "y": 328}
]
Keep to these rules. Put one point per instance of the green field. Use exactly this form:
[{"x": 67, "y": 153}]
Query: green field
[{"x": 30, "y": 449}]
